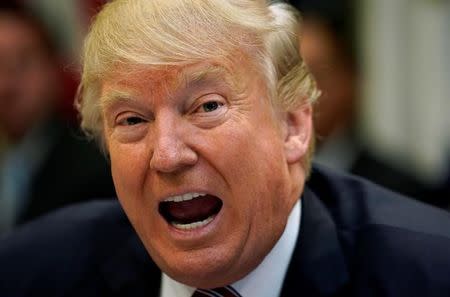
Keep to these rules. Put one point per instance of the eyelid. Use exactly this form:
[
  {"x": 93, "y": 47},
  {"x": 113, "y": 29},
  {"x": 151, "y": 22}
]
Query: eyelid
[
  {"x": 123, "y": 116},
  {"x": 211, "y": 97}
]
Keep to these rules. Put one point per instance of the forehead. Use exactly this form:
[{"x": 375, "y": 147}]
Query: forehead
[{"x": 169, "y": 79}]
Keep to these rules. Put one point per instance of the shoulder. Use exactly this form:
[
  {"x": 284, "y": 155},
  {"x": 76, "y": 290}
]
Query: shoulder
[
  {"x": 57, "y": 249},
  {"x": 75, "y": 222},
  {"x": 388, "y": 239},
  {"x": 356, "y": 203}
]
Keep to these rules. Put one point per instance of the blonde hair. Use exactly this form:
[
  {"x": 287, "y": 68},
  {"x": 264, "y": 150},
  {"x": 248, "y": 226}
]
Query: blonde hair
[{"x": 181, "y": 32}]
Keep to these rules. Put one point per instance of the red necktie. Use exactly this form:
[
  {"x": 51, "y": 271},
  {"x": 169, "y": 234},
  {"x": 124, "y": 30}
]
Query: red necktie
[{"x": 227, "y": 291}]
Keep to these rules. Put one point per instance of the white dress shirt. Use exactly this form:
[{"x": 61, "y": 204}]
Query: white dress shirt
[{"x": 267, "y": 278}]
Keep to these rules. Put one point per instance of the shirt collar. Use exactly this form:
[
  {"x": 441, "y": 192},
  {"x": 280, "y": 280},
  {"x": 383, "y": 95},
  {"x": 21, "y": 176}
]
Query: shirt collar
[{"x": 267, "y": 278}]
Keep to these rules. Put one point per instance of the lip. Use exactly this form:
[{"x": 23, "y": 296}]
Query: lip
[{"x": 196, "y": 235}]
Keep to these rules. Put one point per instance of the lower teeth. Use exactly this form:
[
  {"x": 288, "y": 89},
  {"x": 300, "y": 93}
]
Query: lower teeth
[{"x": 192, "y": 225}]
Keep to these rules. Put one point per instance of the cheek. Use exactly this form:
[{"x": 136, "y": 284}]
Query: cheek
[
  {"x": 253, "y": 166},
  {"x": 128, "y": 169}
]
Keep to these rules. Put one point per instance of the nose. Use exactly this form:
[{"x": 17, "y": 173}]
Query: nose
[{"x": 170, "y": 151}]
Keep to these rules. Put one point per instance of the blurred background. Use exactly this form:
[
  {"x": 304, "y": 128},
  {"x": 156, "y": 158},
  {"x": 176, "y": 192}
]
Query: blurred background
[
  {"x": 45, "y": 161},
  {"x": 383, "y": 67},
  {"x": 384, "y": 70}
]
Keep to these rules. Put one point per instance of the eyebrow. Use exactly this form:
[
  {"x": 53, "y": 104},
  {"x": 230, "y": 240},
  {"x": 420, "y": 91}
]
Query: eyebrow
[
  {"x": 210, "y": 73},
  {"x": 186, "y": 80},
  {"x": 115, "y": 96}
]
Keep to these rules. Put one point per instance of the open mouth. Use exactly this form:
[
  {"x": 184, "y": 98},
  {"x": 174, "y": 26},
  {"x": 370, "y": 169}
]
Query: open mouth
[{"x": 190, "y": 211}]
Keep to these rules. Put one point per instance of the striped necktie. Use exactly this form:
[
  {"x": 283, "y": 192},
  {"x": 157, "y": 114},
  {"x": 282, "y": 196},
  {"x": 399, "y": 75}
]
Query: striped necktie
[{"x": 227, "y": 291}]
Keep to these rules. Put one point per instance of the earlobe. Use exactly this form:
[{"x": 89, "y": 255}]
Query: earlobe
[{"x": 299, "y": 133}]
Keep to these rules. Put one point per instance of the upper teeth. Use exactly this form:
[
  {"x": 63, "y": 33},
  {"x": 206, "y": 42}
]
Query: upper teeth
[{"x": 184, "y": 197}]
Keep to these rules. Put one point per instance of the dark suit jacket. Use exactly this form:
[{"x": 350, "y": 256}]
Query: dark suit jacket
[
  {"x": 373, "y": 168},
  {"x": 356, "y": 239}
]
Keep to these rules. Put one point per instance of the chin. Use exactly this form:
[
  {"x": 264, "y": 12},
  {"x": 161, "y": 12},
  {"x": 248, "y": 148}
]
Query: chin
[{"x": 207, "y": 268}]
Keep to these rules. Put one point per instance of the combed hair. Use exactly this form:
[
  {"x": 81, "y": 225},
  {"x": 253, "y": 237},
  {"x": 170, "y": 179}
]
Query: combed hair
[{"x": 160, "y": 33}]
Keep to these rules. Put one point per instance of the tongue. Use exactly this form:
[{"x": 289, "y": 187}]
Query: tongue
[{"x": 197, "y": 209}]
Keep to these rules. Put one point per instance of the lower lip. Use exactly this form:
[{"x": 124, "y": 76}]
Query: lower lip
[
  {"x": 190, "y": 235},
  {"x": 194, "y": 225}
]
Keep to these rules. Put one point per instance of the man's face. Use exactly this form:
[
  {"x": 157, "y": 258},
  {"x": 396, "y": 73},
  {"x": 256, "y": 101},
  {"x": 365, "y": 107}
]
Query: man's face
[
  {"x": 199, "y": 166},
  {"x": 27, "y": 77}
]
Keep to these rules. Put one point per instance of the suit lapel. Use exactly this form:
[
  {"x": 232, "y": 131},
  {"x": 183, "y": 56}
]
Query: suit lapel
[{"x": 318, "y": 266}]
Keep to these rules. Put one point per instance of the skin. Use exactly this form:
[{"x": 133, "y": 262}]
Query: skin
[
  {"x": 28, "y": 77},
  {"x": 164, "y": 139}
]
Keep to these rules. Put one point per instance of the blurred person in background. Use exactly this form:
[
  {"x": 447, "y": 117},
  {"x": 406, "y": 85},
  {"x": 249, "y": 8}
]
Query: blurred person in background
[
  {"x": 44, "y": 162},
  {"x": 329, "y": 47}
]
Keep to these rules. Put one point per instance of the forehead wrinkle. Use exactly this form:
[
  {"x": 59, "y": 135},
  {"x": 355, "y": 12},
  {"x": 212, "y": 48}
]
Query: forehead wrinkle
[
  {"x": 129, "y": 83},
  {"x": 170, "y": 81},
  {"x": 160, "y": 81},
  {"x": 215, "y": 73}
]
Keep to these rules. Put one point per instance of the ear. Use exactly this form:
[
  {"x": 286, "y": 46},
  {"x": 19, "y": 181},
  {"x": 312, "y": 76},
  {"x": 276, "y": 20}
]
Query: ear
[{"x": 298, "y": 133}]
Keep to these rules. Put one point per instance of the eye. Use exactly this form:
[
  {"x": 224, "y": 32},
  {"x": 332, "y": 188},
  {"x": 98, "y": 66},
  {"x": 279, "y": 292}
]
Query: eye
[
  {"x": 208, "y": 110},
  {"x": 209, "y": 106},
  {"x": 131, "y": 121}
]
